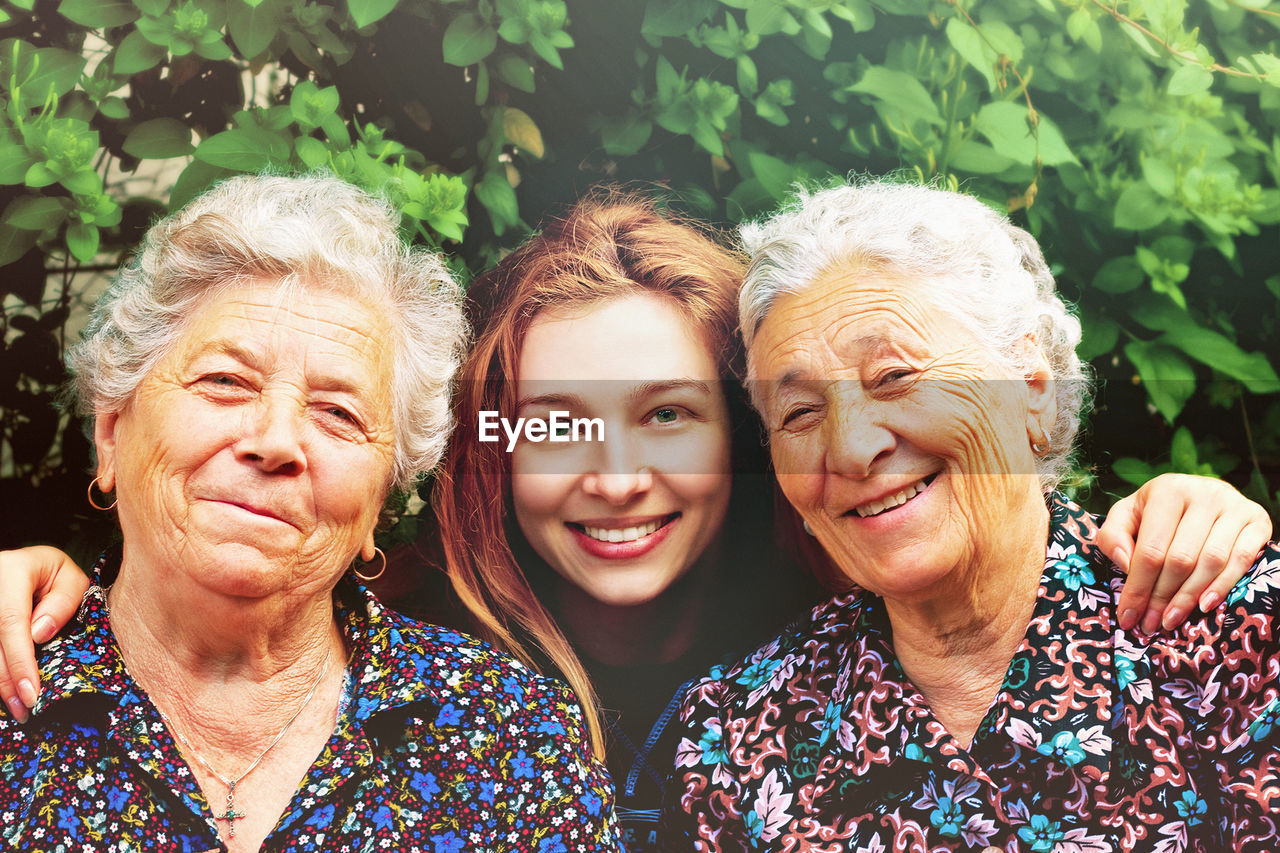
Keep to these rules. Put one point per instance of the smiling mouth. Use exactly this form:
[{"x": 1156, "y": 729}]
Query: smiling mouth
[
  {"x": 893, "y": 501},
  {"x": 614, "y": 535}
]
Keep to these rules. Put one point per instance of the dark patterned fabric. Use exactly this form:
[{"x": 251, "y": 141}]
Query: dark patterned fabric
[
  {"x": 445, "y": 745},
  {"x": 1098, "y": 740}
]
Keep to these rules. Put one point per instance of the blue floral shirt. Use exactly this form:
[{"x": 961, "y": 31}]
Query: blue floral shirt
[
  {"x": 446, "y": 745},
  {"x": 1098, "y": 739}
]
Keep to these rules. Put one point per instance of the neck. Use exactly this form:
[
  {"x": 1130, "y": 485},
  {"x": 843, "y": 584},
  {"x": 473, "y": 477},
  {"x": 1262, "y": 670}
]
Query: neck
[
  {"x": 653, "y": 632},
  {"x": 956, "y": 645},
  {"x": 204, "y": 658}
]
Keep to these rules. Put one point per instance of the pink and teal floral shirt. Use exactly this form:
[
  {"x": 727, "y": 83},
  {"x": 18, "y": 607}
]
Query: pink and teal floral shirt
[
  {"x": 445, "y": 745},
  {"x": 1098, "y": 740}
]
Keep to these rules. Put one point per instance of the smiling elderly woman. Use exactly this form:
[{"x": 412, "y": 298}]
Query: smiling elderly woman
[
  {"x": 271, "y": 364},
  {"x": 917, "y": 376}
]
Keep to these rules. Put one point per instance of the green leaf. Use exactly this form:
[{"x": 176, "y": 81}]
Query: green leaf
[
  {"x": 1169, "y": 380},
  {"x": 899, "y": 93},
  {"x": 766, "y": 17},
  {"x": 969, "y": 43},
  {"x": 669, "y": 82},
  {"x": 979, "y": 159},
  {"x": 310, "y": 105},
  {"x": 82, "y": 241},
  {"x": 1133, "y": 471},
  {"x": 14, "y": 243},
  {"x": 83, "y": 182},
  {"x": 467, "y": 40},
  {"x": 1119, "y": 275},
  {"x": 242, "y": 150},
  {"x": 516, "y": 72},
  {"x": 253, "y": 26},
  {"x": 216, "y": 50},
  {"x": 311, "y": 151},
  {"x": 39, "y": 71},
  {"x": 521, "y": 132},
  {"x": 1189, "y": 80},
  {"x": 496, "y": 194},
  {"x": 114, "y": 108},
  {"x": 195, "y": 179},
  {"x": 774, "y": 174},
  {"x": 136, "y": 54},
  {"x": 1208, "y": 347},
  {"x": 35, "y": 213},
  {"x": 158, "y": 139},
  {"x": 1183, "y": 455},
  {"x": 748, "y": 75},
  {"x": 1099, "y": 338},
  {"x": 1140, "y": 208},
  {"x": 98, "y": 14},
  {"x": 625, "y": 136},
  {"x": 365, "y": 12},
  {"x": 674, "y": 17},
  {"x": 14, "y": 162},
  {"x": 153, "y": 8},
  {"x": 1005, "y": 125}
]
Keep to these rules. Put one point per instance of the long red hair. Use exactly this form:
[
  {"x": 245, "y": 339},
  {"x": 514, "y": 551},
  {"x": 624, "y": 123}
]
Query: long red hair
[{"x": 609, "y": 244}]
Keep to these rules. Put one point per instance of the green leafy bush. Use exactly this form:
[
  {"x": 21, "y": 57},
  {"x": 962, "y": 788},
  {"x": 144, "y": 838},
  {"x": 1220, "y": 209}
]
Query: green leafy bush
[{"x": 1137, "y": 139}]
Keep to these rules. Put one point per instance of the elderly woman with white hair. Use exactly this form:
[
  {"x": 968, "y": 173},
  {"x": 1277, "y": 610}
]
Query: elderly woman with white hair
[
  {"x": 267, "y": 369},
  {"x": 917, "y": 376}
]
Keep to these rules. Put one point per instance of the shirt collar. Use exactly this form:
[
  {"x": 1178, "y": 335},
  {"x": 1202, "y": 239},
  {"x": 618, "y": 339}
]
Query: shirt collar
[{"x": 388, "y": 671}]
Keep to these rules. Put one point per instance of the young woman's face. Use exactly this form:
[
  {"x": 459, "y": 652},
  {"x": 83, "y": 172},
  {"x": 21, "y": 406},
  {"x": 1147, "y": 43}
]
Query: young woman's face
[{"x": 624, "y": 517}]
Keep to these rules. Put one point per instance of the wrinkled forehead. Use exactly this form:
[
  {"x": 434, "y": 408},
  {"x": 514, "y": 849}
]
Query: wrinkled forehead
[{"x": 842, "y": 314}]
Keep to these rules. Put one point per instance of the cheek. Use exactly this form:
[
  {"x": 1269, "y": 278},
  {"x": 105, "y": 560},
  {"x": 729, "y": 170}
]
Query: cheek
[
  {"x": 536, "y": 495},
  {"x": 708, "y": 492}
]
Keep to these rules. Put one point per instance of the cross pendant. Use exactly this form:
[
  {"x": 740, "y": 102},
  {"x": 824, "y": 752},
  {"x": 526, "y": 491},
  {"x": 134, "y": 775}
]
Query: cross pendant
[{"x": 231, "y": 815}]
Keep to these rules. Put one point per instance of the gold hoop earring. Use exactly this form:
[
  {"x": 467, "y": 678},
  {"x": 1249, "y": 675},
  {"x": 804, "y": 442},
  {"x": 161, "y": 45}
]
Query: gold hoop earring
[
  {"x": 376, "y": 575},
  {"x": 1041, "y": 447},
  {"x": 94, "y": 503}
]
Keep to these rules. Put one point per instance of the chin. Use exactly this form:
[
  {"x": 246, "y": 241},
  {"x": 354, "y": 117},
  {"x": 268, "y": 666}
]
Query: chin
[{"x": 630, "y": 592}]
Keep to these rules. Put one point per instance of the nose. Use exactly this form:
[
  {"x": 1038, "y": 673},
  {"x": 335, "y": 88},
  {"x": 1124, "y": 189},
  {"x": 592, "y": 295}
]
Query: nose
[
  {"x": 620, "y": 476},
  {"x": 857, "y": 439},
  {"x": 272, "y": 437}
]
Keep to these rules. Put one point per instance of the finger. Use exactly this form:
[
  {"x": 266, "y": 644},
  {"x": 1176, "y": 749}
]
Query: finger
[
  {"x": 1181, "y": 559},
  {"x": 1145, "y": 530},
  {"x": 1245, "y": 550},
  {"x": 18, "y": 675},
  {"x": 1162, "y": 512},
  {"x": 61, "y": 599},
  {"x": 1215, "y": 558},
  {"x": 1116, "y": 539}
]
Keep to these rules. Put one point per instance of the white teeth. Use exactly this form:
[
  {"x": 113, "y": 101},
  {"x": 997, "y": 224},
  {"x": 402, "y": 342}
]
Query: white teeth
[
  {"x": 894, "y": 500},
  {"x": 621, "y": 534}
]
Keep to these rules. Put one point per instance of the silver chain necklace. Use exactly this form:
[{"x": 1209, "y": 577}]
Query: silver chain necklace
[{"x": 230, "y": 815}]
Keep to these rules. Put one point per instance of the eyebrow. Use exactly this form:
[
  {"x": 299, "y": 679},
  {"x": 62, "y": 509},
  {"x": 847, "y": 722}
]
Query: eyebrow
[
  {"x": 324, "y": 382},
  {"x": 639, "y": 392},
  {"x": 649, "y": 389},
  {"x": 569, "y": 400}
]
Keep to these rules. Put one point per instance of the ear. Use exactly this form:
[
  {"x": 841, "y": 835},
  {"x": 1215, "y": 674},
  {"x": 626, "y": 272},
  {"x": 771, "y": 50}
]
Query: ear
[
  {"x": 367, "y": 552},
  {"x": 104, "y": 439},
  {"x": 1042, "y": 391}
]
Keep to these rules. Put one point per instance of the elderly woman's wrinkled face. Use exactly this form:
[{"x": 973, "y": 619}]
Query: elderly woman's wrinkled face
[
  {"x": 255, "y": 456},
  {"x": 897, "y": 435}
]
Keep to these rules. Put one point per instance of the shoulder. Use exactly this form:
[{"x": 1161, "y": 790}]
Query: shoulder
[
  {"x": 808, "y": 653},
  {"x": 458, "y": 671}
]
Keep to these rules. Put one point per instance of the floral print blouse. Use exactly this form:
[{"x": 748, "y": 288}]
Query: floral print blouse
[
  {"x": 1098, "y": 740},
  {"x": 445, "y": 745}
]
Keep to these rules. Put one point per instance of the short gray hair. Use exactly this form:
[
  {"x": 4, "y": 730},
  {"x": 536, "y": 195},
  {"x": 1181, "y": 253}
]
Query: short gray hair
[
  {"x": 313, "y": 231},
  {"x": 990, "y": 274}
]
